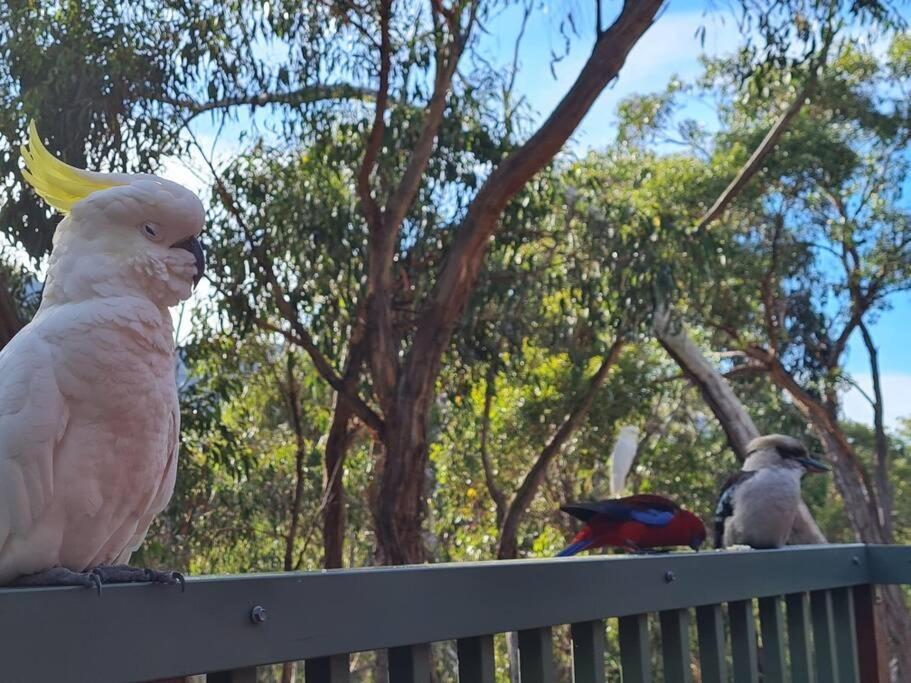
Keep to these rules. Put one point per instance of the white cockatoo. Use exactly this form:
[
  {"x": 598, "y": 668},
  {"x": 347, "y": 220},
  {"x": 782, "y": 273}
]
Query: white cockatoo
[
  {"x": 622, "y": 458},
  {"x": 89, "y": 417}
]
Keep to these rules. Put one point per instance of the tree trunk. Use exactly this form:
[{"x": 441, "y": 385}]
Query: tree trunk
[
  {"x": 714, "y": 388},
  {"x": 294, "y": 412},
  {"x": 337, "y": 444},
  {"x": 861, "y": 508},
  {"x": 727, "y": 408},
  {"x": 406, "y": 387},
  {"x": 399, "y": 508}
]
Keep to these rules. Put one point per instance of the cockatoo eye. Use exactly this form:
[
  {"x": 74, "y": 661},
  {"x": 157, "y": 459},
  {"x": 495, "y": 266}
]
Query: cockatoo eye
[{"x": 150, "y": 230}]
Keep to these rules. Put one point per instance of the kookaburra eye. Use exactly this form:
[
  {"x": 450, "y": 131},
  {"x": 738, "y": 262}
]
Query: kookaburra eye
[{"x": 150, "y": 230}]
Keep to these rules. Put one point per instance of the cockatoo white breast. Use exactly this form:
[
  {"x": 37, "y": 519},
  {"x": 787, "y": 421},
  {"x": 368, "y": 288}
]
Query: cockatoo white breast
[{"x": 89, "y": 418}]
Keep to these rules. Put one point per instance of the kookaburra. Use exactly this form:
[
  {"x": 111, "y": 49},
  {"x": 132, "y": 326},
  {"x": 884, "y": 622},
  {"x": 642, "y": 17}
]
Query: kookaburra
[{"x": 758, "y": 505}]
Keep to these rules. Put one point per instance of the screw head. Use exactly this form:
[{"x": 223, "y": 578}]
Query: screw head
[
  {"x": 669, "y": 576},
  {"x": 258, "y": 614},
  {"x": 855, "y": 559}
]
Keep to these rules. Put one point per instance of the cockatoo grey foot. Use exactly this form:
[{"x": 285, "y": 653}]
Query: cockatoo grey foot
[
  {"x": 60, "y": 576},
  {"x": 122, "y": 573}
]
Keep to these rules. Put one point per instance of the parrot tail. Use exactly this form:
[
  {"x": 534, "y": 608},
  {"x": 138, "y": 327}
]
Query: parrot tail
[{"x": 574, "y": 548}]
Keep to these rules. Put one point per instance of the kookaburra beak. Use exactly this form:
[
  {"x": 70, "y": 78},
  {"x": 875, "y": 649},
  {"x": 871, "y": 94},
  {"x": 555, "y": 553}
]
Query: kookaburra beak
[
  {"x": 193, "y": 246},
  {"x": 814, "y": 465}
]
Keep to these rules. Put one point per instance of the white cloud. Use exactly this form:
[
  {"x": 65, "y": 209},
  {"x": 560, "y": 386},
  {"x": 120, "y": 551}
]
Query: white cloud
[{"x": 896, "y": 388}]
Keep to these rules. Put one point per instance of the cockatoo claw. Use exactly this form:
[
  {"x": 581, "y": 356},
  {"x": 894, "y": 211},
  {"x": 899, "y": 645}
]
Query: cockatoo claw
[
  {"x": 60, "y": 576},
  {"x": 96, "y": 580},
  {"x": 122, "y": 573}
]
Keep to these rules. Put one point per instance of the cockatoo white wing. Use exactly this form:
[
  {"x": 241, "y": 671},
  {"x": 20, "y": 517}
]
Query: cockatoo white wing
[
  {"x": 622, "y": 458},
  {"x": 165, "y": 490},
  {"x": 33, "y": 420}
]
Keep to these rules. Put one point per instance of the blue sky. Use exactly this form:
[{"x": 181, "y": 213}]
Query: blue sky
[{"x": 670, "y": 48}]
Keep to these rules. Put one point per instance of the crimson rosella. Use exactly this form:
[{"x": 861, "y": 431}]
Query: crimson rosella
[
  {"x": 635, "y": 523},
  {"x": 757, "y": 506}
]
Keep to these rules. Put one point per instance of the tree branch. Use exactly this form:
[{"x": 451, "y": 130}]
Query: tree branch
[
  {"x": 508, "y": 548},
  {"x": 496, "y": 493},
  {"x": 883, "y": 484},
  {"x": 754, "y": 163},
  {"x": 301, "y": 335},
  {"x": 383, "y": 351},
  {"x": 294, "y": 98},
  {"x": 449, "y": 296}
]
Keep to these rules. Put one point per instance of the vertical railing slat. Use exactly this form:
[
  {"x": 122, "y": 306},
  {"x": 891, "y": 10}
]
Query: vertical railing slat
[
  {"x": 410, "y": 664},
  {"x": 771, "y": 625},
  {"x": 244, "y": 675},
  {"x": 635, "y": 656},
  {"x": 845, "y": 638},
  {"x": 743, "y": 641},
  {"x": 824, "y": 636},
  {"x": 869, "y": 640},
  {"x": 588, "y": 652},
  {"x": 334, "y": 669},
  {"x": 536, "y": 655},
  {"x": 476, "y": 660},
  {"x": 710, "y": 630},
  {"x": 799, "y": 646},
  {"x": 675, "y": 645}
]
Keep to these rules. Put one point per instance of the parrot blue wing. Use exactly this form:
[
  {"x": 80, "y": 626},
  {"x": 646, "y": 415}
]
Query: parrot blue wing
[
  {"x": 652, "y": 517},
  {"x": 646, "y": 509}
]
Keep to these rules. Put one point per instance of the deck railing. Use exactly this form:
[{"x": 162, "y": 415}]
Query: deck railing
[{"x": 815, "y": 607}]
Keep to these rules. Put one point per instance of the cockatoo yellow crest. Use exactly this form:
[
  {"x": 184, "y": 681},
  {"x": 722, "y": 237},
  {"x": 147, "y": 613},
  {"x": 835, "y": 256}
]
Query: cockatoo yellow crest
[
  {"x": 59, "y": 184},
  {"x": 89, "y": 418}
]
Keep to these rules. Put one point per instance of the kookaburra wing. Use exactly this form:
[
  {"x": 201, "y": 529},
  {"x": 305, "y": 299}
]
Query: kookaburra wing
[{"x": 89, "y": 417}]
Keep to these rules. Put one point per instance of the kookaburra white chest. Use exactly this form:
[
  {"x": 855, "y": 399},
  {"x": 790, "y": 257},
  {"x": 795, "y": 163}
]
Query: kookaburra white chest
[{"x": 89, "y": 418}]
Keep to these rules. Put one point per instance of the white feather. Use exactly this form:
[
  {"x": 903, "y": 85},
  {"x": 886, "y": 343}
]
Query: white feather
[{"x": 622, "y": 458}]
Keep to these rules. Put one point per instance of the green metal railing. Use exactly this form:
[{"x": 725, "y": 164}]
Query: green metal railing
[{"x": 815, "y": 619}]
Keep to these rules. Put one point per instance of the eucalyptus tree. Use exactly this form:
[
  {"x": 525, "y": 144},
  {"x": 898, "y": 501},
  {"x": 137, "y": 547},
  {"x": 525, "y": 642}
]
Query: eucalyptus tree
[{"x": 819, "y": 245}]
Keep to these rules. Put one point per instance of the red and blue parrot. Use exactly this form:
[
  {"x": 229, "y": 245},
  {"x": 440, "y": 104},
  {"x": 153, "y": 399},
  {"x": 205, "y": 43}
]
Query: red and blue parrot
[{"x": 635, "y": 523}]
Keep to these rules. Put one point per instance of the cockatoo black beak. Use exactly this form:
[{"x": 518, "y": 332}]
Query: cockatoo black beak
[
  {"x": 193, "y": 246},
  {"x": 813, "y": 465}
]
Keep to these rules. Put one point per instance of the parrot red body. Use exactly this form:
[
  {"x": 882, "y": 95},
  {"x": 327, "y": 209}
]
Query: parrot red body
[{"x": 634, "y": 523}]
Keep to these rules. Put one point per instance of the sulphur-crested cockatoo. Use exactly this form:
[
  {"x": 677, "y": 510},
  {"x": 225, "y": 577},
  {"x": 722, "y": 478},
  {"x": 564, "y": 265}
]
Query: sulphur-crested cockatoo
[
  {"x": 622, "y": 458},
  {"x": 89, "y": 417}
]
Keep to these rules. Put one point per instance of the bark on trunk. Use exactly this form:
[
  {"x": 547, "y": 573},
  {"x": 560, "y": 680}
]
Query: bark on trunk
[
  {"x": 727, "y": 408},
  {"x": 337, "y": 444},
  {"x": 400, "y": 508}
]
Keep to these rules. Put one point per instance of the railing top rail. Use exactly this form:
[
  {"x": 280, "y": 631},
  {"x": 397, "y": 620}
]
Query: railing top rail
[{"x": 140, "y": 632}]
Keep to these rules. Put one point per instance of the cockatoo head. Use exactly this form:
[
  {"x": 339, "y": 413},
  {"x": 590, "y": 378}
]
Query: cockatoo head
[
  {"x": 778, "y": 450},
  {"x": 133, "y": 232}
]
